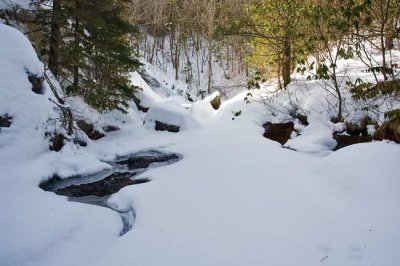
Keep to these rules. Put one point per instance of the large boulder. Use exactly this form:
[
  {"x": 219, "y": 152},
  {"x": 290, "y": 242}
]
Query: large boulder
[{"x": 169, "y": 116}]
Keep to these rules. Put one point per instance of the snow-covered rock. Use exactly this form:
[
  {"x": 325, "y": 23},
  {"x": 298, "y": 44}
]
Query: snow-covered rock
[
  {"x": 202, "y": 109},
  {"x": 171, "y": 113}
]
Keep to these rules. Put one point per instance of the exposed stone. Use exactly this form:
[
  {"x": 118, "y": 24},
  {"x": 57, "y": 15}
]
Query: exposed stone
[
  {"x": 37, "y": 83},
  {"x": 80, "y": 142},
  {"x": 110, "y": 128},
  {"x": 279, "y": 132},
  {"x": 347, "y": 140},
  {"x": 216, "y": 102},
  {"x": 160, "y": 126},
  {"x": 139, "y": 106},
  {"x": 89, "y": 130},
  {"x": 141, "y": 162},
  {"x": 303, "y": 120},
  {"x": 57, "y": 142},
  {"x": 5, "y": 120}
]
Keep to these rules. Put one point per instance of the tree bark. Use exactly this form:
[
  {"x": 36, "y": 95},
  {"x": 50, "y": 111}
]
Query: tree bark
[{"x": 287, "y": 60}]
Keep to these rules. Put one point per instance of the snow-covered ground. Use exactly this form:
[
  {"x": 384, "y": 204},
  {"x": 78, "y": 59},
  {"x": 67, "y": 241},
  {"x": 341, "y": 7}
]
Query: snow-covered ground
[{"x": 235, "y": 198}]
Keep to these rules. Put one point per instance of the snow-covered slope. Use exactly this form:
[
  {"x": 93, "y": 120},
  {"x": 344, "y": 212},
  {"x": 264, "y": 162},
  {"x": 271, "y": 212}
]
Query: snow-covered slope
[
  {"x": 235, "y": 198},
  {"x": 30, "y": 112}
]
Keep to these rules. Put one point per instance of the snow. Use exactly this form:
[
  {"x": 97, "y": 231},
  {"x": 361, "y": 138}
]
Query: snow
[
  {"x": 235, "y": 198},
  {"x": 26, "y": 4},
  {"x": 146, "y": 95},
  {"x": 18, "y": 58},
  {"x": 202, "y": 109},
  {"x": 193, "y": 71},
  {"x": 172, "y": 113}
]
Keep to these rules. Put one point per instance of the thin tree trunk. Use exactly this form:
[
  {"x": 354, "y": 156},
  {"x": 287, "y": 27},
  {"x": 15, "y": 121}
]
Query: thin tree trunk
[
  {"x": 209, "y": 69},
  {"x": 287, "y": 60}
]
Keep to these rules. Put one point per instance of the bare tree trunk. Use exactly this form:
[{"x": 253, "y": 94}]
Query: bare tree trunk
[
  {"x": 287, "y": 60},
  {"x": 209, "y": 68}
]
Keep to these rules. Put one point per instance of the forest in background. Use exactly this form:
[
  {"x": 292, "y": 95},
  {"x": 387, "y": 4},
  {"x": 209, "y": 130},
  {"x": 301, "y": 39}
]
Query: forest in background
[{"x": 92, "y": 46}]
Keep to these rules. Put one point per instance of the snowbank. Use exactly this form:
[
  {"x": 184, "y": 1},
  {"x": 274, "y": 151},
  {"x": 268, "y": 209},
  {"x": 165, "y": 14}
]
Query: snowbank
[{"x": 30, "y": 112}]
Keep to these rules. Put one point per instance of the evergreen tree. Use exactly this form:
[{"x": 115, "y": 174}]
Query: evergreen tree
[{"x": 90, "y": 53}]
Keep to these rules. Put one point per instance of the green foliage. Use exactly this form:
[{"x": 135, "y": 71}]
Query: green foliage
[
  {"x": 94, "y": 55},
  {"x": 393, "y": 114},
  {"x": 391, "y": 128},
  {"x": 364, "y": 91}
]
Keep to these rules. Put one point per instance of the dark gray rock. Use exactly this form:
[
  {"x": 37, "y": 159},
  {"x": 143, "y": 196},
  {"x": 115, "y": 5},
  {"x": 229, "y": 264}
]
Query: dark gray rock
[
  {"x": 140, "y": 106},
  {"x": 5, "y": 120},
  {"x": 110, "y": 128},
  {"x": 80, "y": 142},
  {"x": 160, "y": 126}
]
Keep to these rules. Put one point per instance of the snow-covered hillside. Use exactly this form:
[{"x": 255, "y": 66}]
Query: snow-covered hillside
[{"x": 235, "y": 197}]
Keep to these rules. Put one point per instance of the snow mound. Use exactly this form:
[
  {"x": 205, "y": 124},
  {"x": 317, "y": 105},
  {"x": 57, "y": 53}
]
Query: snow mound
[
  {"x": 202, "y": 109},
  {"x": 172, "y": 113},
  {"x": 30, "y": 112}
]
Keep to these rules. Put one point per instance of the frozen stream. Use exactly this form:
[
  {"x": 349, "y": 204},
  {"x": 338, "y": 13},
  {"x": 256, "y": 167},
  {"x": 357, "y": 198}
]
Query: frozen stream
[{"x": 96, "y": 188}]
